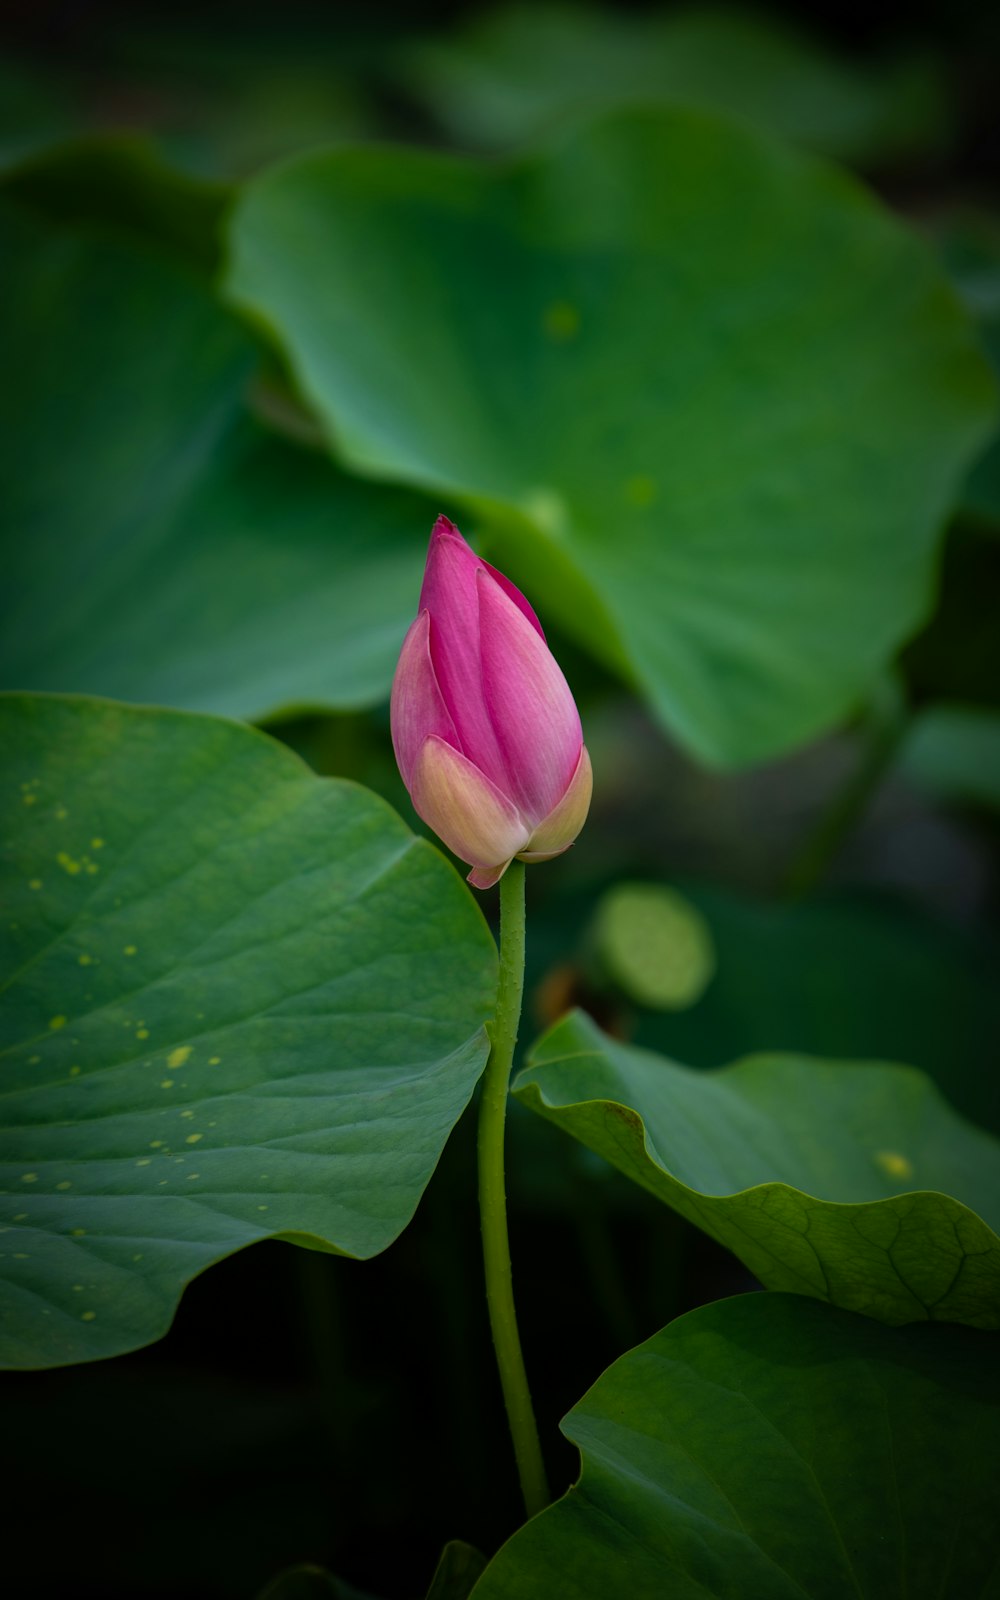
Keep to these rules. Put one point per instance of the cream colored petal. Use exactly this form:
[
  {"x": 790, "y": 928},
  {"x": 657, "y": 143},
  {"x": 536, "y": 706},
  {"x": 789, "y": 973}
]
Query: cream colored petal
[
  {"x": 557, "y": 832},
  {"x": 464, "y": 808}
]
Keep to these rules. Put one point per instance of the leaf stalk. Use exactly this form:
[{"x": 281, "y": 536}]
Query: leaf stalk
[{"x": 493, "y": 1197}]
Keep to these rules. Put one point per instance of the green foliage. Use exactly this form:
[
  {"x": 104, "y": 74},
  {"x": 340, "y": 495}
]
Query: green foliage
[
  {"x": 668, "y": 368},
  {"x": 953, "y": 752},
  {"x": 509, "y": 75},
  {"x": 242, "y": 1002},
  {"x": 654, "y": 945},
  {"x": 120, "y": 183},
  {"x": 772, "y": 1447},
  {"x": 711, "y": 405},
  {"x": 852, "y": 1182},
  {"x": 457, "y": 1571},
  {"x": 969, "y": 242},
  {"x": 164, "y": 545},
  {"x": 860, "y": 976}
]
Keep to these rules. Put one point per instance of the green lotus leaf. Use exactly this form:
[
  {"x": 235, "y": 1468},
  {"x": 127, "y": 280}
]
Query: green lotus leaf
[
  {"x": 854, "y": 1182},
  {"x": 773, "y": 1447},
  {"x": 708, "y": 399},
  {"x": 163, "y": 545},
  {"x": 510, "y": 74},
  {"x": 241, "y": 1002}
]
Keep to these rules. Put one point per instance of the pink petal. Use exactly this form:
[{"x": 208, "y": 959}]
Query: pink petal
[
  {"x": 565, "y": 821},
  {"x": 417, "y": 710},
  {"x": 464, "y": 808},
  {"x": 486, "y": 877},
  {"x": 451, "y": 594},
  {"x": 514, "y": 593},
  {"x": 528, "y": 702}
]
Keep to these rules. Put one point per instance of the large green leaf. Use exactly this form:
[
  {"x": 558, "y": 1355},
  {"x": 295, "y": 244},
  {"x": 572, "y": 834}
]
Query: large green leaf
[
  {"x": 770, "y": 1447},
  {"x": 710, "y": 399},
  {"x": 162, "y": 545},
  {"x": 240, "y": 1002},
  {"x": 854, "y": 1182},
  {"x": 510, "y": 74}
]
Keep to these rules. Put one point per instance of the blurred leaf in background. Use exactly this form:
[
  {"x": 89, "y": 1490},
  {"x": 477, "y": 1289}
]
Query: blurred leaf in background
[
  {"x": 969, "y": 242},
  {"x": 953, "y": 752},
  {"x": 222, "y": 90},
  {"x": 508, "y": 75},
  {"x": 668, "y": 368},
  {"x": 164, "y": 545}
]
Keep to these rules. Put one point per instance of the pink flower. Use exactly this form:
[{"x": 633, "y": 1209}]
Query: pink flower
[{"x": 485, "y": 729}]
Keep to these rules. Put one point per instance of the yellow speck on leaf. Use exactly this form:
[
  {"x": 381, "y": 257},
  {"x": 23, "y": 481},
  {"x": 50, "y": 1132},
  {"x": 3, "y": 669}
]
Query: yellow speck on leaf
[
  {"x": 74, "y": 1072},
  {"x": 177, "y": 1057},
  {"x": 85, "y": 960},
  {"x": 641, "y": 490},
  {"x": 97, "y": 844},
  {"x": 561, "y": 321},
  {"x": 129, "y": 950},
  {"x": 144, "y": 1161},
  {"x": 167, "y": 1083},
  {"x": 142, "y": 1033},
  {"x": 893, "y": 1164},
  {"x": 213, "y": 1061},
  {"x": 88, "y": 1316},
  {"x": 193, "y": 1138},
  {"x": 35, "y": 883},
  {"x": 77, "y": 1233},
  {"x": 62, "y": 1187},
  {"x": 29, "y": 799},
  {"x": 57, "y": 1022},
  {"x": 68, "y": 864},
  {"x": 29, "y": 1177}
]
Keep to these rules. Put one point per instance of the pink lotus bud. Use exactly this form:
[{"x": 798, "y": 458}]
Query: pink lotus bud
[{"x": 485, "y": 729}]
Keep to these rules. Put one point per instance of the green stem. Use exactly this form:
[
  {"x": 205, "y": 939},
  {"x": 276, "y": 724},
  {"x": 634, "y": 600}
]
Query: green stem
[
  {"x": 493, "y": 1199},
  {"x": 881, "y": 732}
]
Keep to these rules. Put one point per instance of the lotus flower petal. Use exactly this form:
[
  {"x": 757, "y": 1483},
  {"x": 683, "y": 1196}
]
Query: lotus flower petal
[
  {"x": 417, "y": 709},
  {"x": 513, "y": 593},
  {"x": 566, "y": 820},
  {"x": 529, "y": 704},
  {"x": 485, "y": 729},
  {"x": 473, "y": 817},
  {"x": 450, "y": 594},
  {"x": 486, "y": 877}
]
